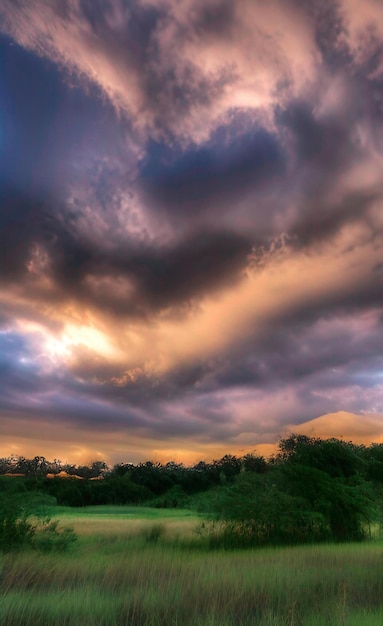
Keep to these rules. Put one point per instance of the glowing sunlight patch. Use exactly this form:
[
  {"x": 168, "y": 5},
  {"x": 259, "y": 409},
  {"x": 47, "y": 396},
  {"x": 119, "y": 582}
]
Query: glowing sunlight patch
[{"x": 61, "y": 348}]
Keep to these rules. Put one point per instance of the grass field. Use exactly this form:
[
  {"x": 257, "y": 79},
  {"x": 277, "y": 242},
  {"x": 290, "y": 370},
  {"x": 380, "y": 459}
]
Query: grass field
[{"x": 148, "y": 567}]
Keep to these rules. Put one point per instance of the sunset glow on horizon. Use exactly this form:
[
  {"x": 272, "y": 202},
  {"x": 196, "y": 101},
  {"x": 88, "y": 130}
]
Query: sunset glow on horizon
[{"x": 191, "y": 226}]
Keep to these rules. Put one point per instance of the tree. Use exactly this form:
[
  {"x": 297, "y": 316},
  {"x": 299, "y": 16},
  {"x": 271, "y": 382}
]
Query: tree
[
  {"x": 335, "y": 457},
  {"x": 253, "y": 463},
  {"x": 314, "y": 490},
  {"x": 346, "y": 505},
  {"x": 258, "y": 509}
]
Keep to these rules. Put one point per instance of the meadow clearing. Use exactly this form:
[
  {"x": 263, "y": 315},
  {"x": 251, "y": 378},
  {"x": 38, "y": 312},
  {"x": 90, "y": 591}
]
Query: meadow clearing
[{"x": 137, "y": 566}]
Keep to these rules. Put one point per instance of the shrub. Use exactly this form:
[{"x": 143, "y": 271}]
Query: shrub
[
  {"x": 173, "y": 498},
  {"x": 295, "y": 501},
  {"x": 16, "y": 527},
  {"x": 24, "y": 520}
]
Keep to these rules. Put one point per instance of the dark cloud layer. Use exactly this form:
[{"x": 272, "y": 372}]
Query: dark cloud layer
[
  {"x": 212, "y": 178},
  {"x": 190, "y": 219}
]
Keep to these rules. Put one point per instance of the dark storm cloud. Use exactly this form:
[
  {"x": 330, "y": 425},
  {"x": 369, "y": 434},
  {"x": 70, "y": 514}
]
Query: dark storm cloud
[
  {"x": 303, "y": 351},
  {"x": 34, "y": 177},
  {"x": 211, "y": 178},
  {"x": 201, "y": 263},
  {"x": 20, "y": 223},
  {"x": 324, "y": 150},
  {"x": 327, "y": 219},
  {"x": 322, "y": 143},
  {"x": 43, "y": 123},
  {"x": 161, "y": 277}
]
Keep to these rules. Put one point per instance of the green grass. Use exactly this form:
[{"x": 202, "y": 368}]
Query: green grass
[
  {"x": 112, "y": 511},
  {"x": 147, "y": 567}
]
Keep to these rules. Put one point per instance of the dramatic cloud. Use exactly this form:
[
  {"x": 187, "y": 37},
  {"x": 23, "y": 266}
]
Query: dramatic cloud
[
  {"x": 191, "y": 225},
  {"x": 174, "y": 67}
]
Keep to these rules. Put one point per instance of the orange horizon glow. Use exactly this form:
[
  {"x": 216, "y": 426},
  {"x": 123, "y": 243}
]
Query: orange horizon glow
[{"x": 359, "y": 429}]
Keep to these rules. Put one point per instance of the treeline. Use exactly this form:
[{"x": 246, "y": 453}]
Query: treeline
[
  {"x": 40, "y": 466},
  {"x": 163, "y": 485},
  {"x": 310, "y": 490}
]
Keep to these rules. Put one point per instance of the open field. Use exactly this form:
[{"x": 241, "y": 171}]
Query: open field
[
  {"x": 129, "y": 522},
  {"x": 148, "y": 567}
]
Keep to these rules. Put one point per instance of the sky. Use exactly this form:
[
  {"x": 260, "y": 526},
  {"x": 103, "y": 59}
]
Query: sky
[{"x": 191, "y": 226}]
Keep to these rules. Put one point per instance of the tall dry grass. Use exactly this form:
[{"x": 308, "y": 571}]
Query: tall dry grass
[{"x": 160, "y": 573}]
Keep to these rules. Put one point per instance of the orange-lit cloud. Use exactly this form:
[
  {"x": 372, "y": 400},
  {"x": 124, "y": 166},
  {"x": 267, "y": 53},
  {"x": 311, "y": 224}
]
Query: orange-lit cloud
[
  {"x": 362, "y": 429},
  {"x": 286, "y": 278}
]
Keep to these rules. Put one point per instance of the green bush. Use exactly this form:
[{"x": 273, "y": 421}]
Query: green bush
[
  {"x": 172, "y": 499},
  {"x": 16, "y": 527},
  {"x": 24, "y": 520},
  {"x": 292, "y": 503}
]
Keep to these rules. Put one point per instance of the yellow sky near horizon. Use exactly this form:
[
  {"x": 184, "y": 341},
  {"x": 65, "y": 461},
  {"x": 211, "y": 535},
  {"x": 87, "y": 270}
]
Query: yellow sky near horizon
[{"x": 360, "y": 429}]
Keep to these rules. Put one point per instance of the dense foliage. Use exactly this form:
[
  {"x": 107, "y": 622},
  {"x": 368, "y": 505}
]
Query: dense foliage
[
  {"x": 311, "y": 490},
  {"x": 24, "y": 520}
]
